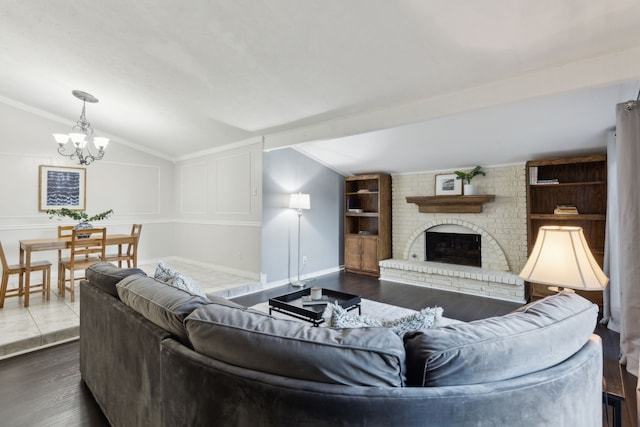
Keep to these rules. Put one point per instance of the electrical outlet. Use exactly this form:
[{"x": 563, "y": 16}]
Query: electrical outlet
[{"x": 305, "y": 259}]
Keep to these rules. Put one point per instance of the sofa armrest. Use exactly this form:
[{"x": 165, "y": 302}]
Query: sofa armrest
[{"x": 120, "y": 358}]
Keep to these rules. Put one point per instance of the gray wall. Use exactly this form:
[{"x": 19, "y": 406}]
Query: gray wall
[{"x": 287, "y": 171}]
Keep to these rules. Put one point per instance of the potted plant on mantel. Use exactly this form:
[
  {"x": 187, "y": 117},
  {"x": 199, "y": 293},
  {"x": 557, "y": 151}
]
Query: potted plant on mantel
[
  {"x": 466, "y": 177},
  {"x": 81, "y": 216}
]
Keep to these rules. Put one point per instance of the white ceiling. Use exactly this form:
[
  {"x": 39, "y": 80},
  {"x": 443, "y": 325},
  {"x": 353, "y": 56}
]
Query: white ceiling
[{"x": 364, "y": 85}]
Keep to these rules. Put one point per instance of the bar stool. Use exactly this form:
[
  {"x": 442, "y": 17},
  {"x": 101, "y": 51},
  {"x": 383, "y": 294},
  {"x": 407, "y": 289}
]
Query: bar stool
[{"x": 7, "y": 270}]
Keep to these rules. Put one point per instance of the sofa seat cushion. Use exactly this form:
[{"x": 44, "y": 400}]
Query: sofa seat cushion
[
  {"x": 254, "y": 340},
  {"x": 534, "y": 337},
  {"x": 164, "y": 305},
  {"x": 105, "y": 276}
]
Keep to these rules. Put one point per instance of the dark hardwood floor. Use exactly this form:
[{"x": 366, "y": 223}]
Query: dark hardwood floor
[
  {"x": 44, "y": 388},
  {"x": 456, "y": 306}
]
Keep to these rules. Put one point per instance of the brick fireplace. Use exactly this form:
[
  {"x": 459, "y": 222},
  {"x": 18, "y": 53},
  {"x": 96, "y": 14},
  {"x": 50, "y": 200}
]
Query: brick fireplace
[{"x": 501, "y": 228}]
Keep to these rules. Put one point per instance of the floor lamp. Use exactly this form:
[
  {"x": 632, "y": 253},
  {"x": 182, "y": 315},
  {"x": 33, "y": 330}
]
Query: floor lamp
[
  {"x": 299, "y": 201},
  {"x": 561, "y": 257}
]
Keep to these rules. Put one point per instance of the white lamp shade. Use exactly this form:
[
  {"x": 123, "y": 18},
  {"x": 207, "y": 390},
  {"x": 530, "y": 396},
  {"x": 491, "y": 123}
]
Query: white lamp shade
[
  {"x": 78, "y": 139},
  {"x": 300, "y": 201},
  {"x": 561, "y": 257},
  {"x": 100, "y": 142},
  {"x": 61, "y": 138}
]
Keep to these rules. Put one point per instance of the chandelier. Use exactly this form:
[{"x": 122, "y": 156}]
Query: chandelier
[{"x": 80, "y": 136}]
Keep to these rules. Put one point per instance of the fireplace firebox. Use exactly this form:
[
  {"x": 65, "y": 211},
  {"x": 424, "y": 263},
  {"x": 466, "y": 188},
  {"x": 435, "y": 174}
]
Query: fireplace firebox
[{"x": 454, "y": 248}]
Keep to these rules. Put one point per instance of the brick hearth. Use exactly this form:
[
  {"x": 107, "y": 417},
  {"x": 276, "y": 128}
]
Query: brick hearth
[{"x": 502, "y": 285}]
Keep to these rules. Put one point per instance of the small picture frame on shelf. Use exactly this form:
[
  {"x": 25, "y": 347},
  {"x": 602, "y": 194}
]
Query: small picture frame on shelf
[{"x": 448, "y": 185}]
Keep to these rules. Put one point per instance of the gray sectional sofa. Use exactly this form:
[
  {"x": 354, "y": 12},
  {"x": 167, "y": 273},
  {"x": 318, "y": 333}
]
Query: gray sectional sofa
[{"x": 154, "y": 355}]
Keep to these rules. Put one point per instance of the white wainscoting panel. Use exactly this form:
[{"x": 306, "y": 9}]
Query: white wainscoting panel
[
  {"x": 233, "y": 184},
  {"x": 194, "y": 188}
]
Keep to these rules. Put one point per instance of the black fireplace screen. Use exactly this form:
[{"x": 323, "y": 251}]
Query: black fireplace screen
[{"x": 454, "y": 248}]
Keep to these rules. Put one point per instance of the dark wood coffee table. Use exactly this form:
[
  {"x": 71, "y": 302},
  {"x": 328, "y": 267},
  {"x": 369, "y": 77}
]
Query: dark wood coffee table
[{"x": 291, "y": 304}]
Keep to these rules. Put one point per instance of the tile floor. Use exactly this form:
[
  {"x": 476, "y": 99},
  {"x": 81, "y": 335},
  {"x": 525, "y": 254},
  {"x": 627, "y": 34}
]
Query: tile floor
[{"x": 46, "y": 323}]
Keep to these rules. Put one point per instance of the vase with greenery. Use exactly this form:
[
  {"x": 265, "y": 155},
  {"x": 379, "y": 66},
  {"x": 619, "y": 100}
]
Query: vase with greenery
[
  {"x": 466, "y": 177},
  {"x": 84, "y": 220}
]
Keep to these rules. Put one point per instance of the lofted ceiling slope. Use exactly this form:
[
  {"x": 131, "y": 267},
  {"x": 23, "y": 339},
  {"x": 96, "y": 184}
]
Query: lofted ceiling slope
[{"x": 363, "y": 85}]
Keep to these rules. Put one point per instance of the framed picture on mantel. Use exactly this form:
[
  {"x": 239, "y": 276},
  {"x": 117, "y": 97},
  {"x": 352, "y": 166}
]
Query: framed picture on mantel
[{"x": 448, "y": 185}]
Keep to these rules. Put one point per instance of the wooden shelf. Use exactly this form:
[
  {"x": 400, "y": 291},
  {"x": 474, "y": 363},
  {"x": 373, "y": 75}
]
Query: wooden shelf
[
  {"x": 567, "y": 184},
  {"x": 452, "y": 204},
  {"x": 361, "y": 193},
  {"x": 579, "y": 217},
  {"x": 363, "y": 214}
]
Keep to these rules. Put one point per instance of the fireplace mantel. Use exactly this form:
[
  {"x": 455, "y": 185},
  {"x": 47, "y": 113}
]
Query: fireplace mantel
[{"x": 451, "y": 204}]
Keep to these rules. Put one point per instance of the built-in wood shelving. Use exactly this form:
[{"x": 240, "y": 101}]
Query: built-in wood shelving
[{"x": 576, "y": 181}]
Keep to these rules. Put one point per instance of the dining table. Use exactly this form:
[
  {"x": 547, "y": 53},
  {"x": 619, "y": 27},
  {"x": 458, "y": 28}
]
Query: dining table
[{"x": 56, "y": 243}]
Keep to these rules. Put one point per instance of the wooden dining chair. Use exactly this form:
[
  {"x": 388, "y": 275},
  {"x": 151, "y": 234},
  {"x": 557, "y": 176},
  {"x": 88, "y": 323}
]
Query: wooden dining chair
[
  {"x": 63, "y": 231},
  {"x": 19, "y": 269},
  {"x": 87, "y": 248},
  {"x": 130, "y": 255}
]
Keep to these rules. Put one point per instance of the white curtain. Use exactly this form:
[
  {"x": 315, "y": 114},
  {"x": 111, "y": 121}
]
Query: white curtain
[
  {"x": 611, "y": 260},
  {"x": 624, "y": 243}
]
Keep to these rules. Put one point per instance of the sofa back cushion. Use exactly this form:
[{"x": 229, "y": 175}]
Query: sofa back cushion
[
  {"x": 105, "y": 276},
  {"x": 254, "y": 340},
  {"x": 534, "y": 337},
  {"x": 162, "y": 304}
]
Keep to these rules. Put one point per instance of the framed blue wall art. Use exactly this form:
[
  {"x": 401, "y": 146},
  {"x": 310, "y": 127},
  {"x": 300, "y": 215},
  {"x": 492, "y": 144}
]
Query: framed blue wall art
[{"x": 62, "y": 187}]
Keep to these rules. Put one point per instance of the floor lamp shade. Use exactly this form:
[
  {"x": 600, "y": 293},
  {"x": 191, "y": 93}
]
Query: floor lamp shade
[
  {"x": 299, "y": 201},
  {"x": 561, "y": 257}
]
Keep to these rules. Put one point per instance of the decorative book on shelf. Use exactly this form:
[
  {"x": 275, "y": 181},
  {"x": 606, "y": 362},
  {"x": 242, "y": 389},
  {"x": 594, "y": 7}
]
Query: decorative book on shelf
[
  {"x": 534, "y": 180},
  {"x": 565, "y": 210}
]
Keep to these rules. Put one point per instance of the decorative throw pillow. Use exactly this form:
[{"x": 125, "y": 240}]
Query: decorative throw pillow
[
  {"x": 340, "y": 318},
  {"x": 425, "y": 318},
  {"x": 178, "y": 280},
  {"x": 186, "y": 283},
  {"x": 164, "y": 273}
]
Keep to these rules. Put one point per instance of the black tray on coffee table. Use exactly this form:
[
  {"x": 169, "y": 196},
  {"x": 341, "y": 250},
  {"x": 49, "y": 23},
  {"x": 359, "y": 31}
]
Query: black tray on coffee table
[{"x": 291, "y": 304}]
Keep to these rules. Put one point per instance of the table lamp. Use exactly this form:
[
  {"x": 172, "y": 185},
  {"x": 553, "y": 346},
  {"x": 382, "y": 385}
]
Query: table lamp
[{"x": 561, "y": 257}]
